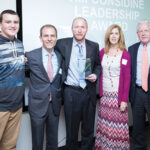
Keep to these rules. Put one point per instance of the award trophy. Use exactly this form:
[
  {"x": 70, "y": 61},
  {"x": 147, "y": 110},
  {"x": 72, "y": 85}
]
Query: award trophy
[{"x": 85, "y": 67}]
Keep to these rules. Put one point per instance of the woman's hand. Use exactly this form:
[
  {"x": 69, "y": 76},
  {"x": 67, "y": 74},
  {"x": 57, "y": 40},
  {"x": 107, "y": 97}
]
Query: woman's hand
[{"x": 123, "y": 106}]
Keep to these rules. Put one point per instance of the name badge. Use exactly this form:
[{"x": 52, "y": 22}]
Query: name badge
[{"x": 124, "y": 61}]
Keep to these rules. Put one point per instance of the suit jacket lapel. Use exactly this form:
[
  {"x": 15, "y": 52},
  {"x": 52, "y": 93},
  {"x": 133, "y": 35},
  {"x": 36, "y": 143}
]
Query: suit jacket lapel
[
  {"x": 59, "y": 64},
  {"x": 41, "y": 64},
  {"x": 58, "y": 59},
  {"x": 135, "y": 58},
  {"x": 68, "y": 52},
  {"x": 88, "y": 51}
]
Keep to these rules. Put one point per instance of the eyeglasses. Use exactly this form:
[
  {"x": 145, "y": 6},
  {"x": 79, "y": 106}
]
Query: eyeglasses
[{"x": 143, "y": 31}]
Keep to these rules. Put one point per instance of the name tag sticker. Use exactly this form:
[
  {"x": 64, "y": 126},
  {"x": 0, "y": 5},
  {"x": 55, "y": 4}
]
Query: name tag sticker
[{"x": 124, "y": 61}]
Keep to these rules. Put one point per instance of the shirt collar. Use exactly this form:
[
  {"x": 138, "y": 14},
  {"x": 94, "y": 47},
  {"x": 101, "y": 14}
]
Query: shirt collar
[
  {"x": 75, "y": 43},
  {"x": 148, "y": 44},
  {"x": 45, "y": 52}
]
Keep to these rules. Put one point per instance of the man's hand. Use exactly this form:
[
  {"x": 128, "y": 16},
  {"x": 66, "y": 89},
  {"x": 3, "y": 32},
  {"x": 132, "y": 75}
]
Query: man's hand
[
  {"x": 25, "y": 58},
  {"x": 92, "y": 77}
]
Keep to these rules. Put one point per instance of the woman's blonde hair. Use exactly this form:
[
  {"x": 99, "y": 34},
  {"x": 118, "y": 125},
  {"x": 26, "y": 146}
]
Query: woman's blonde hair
[{"x": 121, "y": 42}]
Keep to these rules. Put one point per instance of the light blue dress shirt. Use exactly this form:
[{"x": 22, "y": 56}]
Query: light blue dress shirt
[
  {"x": 54, "y": 60},
  {"x": 73, "y": 71},
  {"x": 139, "y": 63}
]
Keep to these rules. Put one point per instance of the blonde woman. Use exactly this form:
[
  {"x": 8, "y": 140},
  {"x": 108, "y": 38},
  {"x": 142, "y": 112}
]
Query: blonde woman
[{"x": 112, "y": 125}]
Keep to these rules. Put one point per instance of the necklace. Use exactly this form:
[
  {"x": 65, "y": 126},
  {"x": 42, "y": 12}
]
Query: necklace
[
  {"x": 113, "y": 52},
  {"x": 110, "y": 60}
]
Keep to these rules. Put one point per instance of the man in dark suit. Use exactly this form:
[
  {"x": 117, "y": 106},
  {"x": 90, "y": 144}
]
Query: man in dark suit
[
  {"x": 79, "y": 89},
  {"x": 140, "y": 84},
  {"x": 44, "y": 65}
]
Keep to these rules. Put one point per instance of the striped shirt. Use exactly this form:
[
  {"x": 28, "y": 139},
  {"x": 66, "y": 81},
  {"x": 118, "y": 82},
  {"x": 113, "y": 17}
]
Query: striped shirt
[{"x": 11, "y": 74}]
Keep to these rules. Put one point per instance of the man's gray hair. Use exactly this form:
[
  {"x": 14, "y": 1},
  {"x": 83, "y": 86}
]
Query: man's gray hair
[
  {"x": 79, "y": 18},
  {"x": 143, "y": 22}
]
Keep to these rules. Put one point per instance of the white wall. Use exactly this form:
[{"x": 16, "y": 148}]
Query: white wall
[{"x": 7, "y": 4}]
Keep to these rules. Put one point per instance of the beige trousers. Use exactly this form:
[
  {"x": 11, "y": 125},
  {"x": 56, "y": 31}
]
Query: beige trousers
[{"x": 9, "y": 129}]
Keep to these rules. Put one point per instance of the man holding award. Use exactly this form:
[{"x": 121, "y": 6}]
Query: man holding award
[{"x": 80, "y": 72}]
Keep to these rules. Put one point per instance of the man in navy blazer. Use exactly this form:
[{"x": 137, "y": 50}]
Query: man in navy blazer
[
  {"x": 79, "y": 92},
  {"x": 44, "y": 94},
  {"x": 139, "y": 98}
]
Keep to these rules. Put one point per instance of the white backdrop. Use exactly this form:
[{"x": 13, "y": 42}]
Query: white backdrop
[{"x": 7, "y": 4}]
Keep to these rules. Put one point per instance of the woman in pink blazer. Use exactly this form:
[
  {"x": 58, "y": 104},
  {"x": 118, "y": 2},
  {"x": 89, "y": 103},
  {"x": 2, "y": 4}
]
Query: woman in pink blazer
[{"x": 112, "y": 124}]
